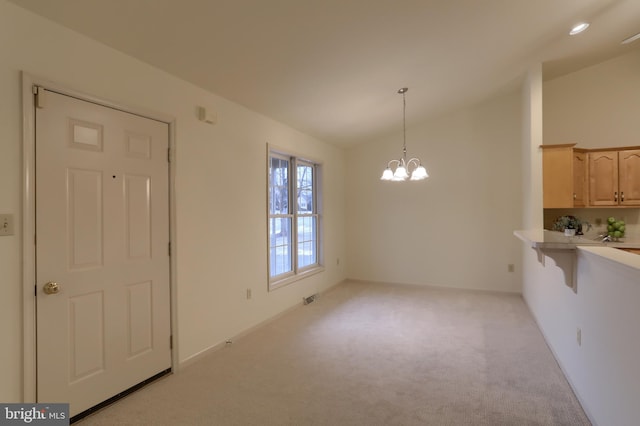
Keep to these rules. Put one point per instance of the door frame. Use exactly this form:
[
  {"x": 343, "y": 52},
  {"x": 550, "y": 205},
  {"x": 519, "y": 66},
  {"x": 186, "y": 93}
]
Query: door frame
[{"x": 29, "y": 349}]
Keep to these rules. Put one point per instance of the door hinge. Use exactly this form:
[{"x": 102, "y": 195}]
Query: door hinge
[
  {"x": 171, "y": 342},
  {"x": 169, "y": 248},
  {"x": 169, "y": 155},
  {"x": 40, "y": 96},
  {"x": 35, "y": 289}
]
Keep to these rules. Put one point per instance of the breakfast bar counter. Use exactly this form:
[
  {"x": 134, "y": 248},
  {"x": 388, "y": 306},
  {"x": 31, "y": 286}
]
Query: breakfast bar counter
[
  {"x": 545, "y": 239},
  {"x": 629, "y": 258},
  {"x": 554, "y": 244}
]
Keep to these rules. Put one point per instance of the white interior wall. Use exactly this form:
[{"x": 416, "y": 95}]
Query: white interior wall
[
  {"x": 220, "y": 180},
  {"x": 455, "y": 228},
  {"x": 532, "y": 186},
  {"x": 531, "y": 154},
  {"x": 596, "y": 107}
]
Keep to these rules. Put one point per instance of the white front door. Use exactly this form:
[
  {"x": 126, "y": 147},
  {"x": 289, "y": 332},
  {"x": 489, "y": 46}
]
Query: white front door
[{"x": 102, "y": 231}]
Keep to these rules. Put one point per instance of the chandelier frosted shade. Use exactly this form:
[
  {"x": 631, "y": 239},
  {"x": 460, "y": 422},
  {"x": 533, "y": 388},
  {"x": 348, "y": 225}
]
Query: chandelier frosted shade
[
  {"x": 387, "y": 174},
  {"x": 419, "y": 173},
  {"x": 411, "y": 169},
  {"x": 400, "y": 173}
]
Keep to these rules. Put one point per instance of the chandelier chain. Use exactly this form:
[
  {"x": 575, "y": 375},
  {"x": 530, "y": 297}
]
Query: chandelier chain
[{"x": 404, "y": 125}]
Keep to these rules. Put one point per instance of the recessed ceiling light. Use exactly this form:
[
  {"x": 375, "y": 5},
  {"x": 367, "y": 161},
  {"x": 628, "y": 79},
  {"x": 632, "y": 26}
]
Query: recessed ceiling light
[
  {"x": 631, "y": 39},
  {"x": 579, "y": 28}
]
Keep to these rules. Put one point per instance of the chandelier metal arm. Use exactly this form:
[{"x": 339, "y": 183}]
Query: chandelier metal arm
[
  {"x": 403, "y": 162},
  {"x": 415, "y": 161}
]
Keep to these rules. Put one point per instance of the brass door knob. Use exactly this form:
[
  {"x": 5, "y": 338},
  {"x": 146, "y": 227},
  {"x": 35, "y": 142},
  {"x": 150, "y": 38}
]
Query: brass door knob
[{"x": 51, "y": 288}]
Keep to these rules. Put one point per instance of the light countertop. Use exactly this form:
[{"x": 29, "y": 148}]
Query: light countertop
[
  {"x": 553, "y": 240},
  {"x": 621, "y": 257}
]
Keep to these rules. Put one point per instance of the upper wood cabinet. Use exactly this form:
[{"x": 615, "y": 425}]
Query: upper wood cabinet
[
  {"x": 603, "y": 178},
  {"x": 580, "y": 182},
  {"x": 614, "y": 178},
  {"x": 629, "y": 175},
  {"x": 564, "y": 176}
]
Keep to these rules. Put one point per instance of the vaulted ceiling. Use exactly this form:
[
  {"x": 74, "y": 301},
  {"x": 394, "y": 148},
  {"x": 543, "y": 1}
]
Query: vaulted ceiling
[{"x": 331, "y": 68}]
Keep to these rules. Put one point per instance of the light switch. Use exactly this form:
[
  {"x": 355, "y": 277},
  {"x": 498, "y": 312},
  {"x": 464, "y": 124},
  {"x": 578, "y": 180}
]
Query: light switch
[{"x": 6, "y": 225}]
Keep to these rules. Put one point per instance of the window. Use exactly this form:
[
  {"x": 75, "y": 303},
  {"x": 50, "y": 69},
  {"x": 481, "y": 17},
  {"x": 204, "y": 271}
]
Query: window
[{"x": 294, "y": 218}]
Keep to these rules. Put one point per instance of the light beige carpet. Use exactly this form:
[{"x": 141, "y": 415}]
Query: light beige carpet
[{"x": 371, "y": 354}]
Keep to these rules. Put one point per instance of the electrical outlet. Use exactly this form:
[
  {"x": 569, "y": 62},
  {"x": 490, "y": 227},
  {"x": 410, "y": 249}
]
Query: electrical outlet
[
  {"x": 510, "y": 267},
  {"x": 579, "y": 336},
  {"x": 6, "y": 224},
  {"x": 248, "y": 293}
]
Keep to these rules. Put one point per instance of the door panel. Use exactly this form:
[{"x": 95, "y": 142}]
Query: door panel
[
  {"x": 580, "y": 195},
  {"x": 140, "y": 318},
  {"x": 84, "y": 197},
  {"x": 102, "y": 225},
  {"x": 138, "y": 216},
  {"x": 603, "y": 175},
  {"x": 86, "y": 336},
  {"x": 630, "y": 177}
]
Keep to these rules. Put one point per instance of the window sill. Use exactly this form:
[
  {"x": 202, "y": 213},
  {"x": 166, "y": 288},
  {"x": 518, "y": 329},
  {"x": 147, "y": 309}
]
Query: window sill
[{"x": 273, "y": 285}]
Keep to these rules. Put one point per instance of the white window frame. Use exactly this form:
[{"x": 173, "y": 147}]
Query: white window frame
[{"x": 296, "y": 272}]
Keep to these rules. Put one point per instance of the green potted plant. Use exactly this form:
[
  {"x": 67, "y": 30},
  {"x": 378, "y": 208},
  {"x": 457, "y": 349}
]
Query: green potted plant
[{"x": 570, "y": 225}]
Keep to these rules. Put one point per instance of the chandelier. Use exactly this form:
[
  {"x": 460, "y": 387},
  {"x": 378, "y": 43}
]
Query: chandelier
[{"x": 401, "y": 173}]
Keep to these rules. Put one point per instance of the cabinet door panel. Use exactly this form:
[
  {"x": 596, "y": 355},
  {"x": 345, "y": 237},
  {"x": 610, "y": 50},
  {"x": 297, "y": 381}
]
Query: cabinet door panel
[
  {"x": 580, "y": 179},
  {"x": 603, "y": 178},
  {"x": 629, "y": 177},
  {"x": 557, "y": 179}
]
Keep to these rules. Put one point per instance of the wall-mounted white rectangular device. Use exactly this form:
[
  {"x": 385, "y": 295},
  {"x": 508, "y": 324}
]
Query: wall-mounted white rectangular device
[{"x": 207, "y": 115}]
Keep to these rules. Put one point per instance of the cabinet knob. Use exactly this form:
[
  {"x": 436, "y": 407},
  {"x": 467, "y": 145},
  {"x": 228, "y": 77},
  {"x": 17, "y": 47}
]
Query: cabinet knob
[
  {"x": 615, "y": 196},
  {"x": 622, "y": 197}
]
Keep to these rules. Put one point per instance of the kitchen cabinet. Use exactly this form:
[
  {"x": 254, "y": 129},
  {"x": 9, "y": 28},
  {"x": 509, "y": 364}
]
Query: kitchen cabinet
[
  {"x": 564, "y": 176},
  {"x": 580, "y": 182},
  {"x": 629, "y": 175},
  {"x": 614, "y": 178},
  {"x": 603, "y": 178}
]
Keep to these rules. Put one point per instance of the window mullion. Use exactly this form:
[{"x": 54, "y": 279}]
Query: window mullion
[
  {"x": 293, "y": 203},
  {"x": 314, "y": 211}
]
